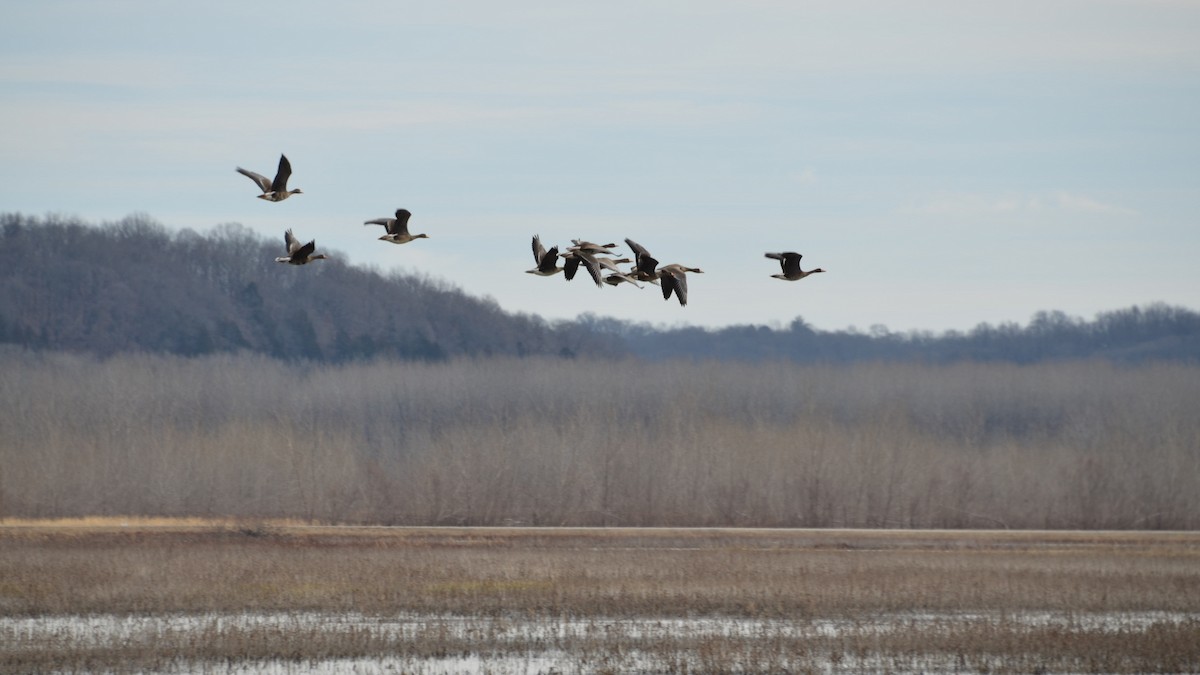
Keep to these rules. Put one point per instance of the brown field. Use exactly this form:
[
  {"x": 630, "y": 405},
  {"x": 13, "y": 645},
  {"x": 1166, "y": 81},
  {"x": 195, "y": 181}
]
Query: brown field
[{"x": 595, "y": 600}]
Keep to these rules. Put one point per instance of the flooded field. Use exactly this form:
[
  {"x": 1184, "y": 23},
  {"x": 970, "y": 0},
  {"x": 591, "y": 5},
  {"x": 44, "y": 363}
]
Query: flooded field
[
  {"x": 278, "y": 598},
  {"x": 432, "y": 644}
]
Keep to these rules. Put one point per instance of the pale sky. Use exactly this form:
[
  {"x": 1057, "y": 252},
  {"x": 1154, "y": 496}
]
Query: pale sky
[{"x": 947, "y": 162}]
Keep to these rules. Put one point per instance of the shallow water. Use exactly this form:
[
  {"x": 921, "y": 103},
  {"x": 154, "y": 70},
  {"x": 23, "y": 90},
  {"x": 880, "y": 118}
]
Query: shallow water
[{"x": 509, "y": 645}]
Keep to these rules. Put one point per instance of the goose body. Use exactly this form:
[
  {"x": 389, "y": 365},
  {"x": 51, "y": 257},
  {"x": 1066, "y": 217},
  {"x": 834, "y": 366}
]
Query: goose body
[
  {"x": 547, "y": 261},
  {"x": 790, "y": 262},
  {"x": 273, "y": 190},
  {"x": 397, "y": 228},
  {"x": 674, "y": 279},
  {"x": 299, "y": 254}
]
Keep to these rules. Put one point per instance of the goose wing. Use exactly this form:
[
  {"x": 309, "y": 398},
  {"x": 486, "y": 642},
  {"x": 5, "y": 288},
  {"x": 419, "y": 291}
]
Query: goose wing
[
  {"x": 305, "y": 251},
  {"x": 593, "y": 269},
  {"x": 291, "y": 242},
  {"x": 385, "y": 222},
  {"x": 789, "y": 261},
  {"x": 281, "y": 175},
  {"x": 571, "y": 266},
  {"x": 647, "y": 266},
  {"x": 549, "y": 260},
  {"x": 673, "y": 280},
  {"x": 401, "y": 222},
  {"x": 260, "y": 180},
  {"x": 667, "y": 282},
  {"x": 539, "y": 252},
  {"x": 638, "y": 249}
]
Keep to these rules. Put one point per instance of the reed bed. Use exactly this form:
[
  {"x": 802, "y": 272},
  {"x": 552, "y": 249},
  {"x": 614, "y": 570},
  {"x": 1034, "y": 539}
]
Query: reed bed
[
  {"x": 602, "y": 443},
  {"x": 238, "y": 595}
]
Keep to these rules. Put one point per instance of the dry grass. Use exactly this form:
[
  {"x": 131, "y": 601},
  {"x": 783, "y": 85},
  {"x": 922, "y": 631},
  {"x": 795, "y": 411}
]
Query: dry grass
[
  {"x": 95, "y": 524},
  {"x": 552, "y": 442},
  {"x": 960, "y": 596}
]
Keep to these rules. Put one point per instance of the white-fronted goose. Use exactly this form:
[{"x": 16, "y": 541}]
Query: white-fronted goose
[
  {"x": 547, "y": 261},
  {"x": 297, "y": 254},
  {"x": 585, "y": 252},
  {"x": 273, "y": 190},
  {"x": 574, "y": 257},
  {"x": 790, "y": 262},
  {"x": 397, "y": 228},
  {"x": 674, "y": 279},
  {"x": 617, "y": 276},
  {"x": 594, "y": 249}
]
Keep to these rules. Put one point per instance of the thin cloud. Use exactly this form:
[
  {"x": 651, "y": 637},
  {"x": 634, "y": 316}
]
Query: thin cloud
[
  {"x": 962, "y": 205},
  {"x": 1085, "y": 204}
]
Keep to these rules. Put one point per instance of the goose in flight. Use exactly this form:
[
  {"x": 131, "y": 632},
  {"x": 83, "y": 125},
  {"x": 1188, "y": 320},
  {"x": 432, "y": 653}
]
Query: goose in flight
[
  {"x": 273, "y": 190},
  {"x": 547, "y": 261},
  {"x": 297, "y": 254},
  {"x": 674, "y": 278},
  {"x": 574, "y": 257},
  {"x": 617, "y": 276},
  {"x": 589, "y": 247},
  {"x": 790, "y": 262},
  {"x": 397, "y": 228}
]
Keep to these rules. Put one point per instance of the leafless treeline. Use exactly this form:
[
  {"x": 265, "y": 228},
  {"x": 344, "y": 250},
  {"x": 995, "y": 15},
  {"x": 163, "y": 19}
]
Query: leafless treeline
[
  {"x": 548, "y": 442},
  {"x": 133, "y": 286}
]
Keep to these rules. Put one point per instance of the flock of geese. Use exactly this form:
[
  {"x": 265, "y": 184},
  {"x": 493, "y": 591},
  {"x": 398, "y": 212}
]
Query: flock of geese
[{"x": 600, "y": 260}]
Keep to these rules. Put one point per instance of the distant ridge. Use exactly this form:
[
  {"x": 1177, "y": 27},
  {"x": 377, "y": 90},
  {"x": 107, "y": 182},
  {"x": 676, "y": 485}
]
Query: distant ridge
[
  {"x": 1156, "y": 332},
  {"x": 135, "y": 286}
]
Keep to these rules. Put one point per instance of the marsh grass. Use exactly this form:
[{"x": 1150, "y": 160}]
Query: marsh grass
[
  {"x": 710, "y": 600},
  {"x": 589, "y": 443}
]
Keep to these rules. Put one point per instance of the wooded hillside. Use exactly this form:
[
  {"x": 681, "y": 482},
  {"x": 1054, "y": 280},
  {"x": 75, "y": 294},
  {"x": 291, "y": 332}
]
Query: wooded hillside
[
  {"x": 1136, "y": 334},
  {"x": 133, "y": 286}
]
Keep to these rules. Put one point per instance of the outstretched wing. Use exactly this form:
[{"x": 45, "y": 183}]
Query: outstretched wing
[
  {"x": 538, "y": 251},
  {"x": 260, "y": 180},
  {"x": 400, "y": 226},
  {"x": 291, "y": 242},
  {"x": 306, "y": 250},
  {"x": 667, "y": 283},
  {"x": 549, "y": 260},
  {"x": 789, "y": 261},
  {"x": 646, "y": 265},
  {"x": 570, "y": 267},
  {"x": 281, "y": 175},
  {"x": 674, "y": 280},
  {"x": 638, "y": 249},
  {"x": 593, "y": 269}
]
